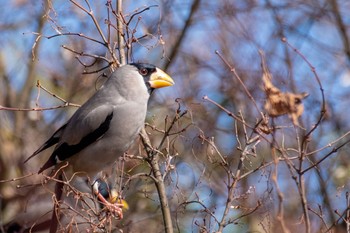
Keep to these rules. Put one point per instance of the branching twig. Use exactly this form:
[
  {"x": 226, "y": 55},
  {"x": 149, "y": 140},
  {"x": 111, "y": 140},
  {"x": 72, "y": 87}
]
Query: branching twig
[
  {"x": 256, "y": 207},
  {"x": 323, "y": 105},
  {"x": 153, "y": 160},
  {"x": 159, "y": 182},
  {"x": 280, "y": 214},
  {"x": 305, "y": 141},
  {"x": 335, "y": 149},
  {"x": 98, "y": 28},
  {"x": 231, "y": 187},
  {"x": 206, "y": 98},
  {"x": 83, "y": 54},
  {"x": 75, "y": 34},
  {"x": 328, "y": 145},
  {"x": 233, "y": 70}
]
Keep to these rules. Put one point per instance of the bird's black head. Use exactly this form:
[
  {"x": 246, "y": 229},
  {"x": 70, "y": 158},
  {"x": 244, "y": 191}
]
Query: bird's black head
[
  {"x": 153, "y": 76},
  {"x": 145, "y": 69}
]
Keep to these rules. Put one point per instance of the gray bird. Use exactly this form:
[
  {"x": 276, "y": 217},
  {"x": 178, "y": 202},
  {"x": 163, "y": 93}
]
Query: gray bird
[{"x": 105, "y": 126}]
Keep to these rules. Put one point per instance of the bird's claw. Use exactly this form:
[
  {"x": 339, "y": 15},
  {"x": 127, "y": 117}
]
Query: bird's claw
[{"x": 115, "y": 209}]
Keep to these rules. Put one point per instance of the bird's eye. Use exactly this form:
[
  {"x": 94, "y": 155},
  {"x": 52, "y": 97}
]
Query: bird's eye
[{"x": 143, "y": 71}]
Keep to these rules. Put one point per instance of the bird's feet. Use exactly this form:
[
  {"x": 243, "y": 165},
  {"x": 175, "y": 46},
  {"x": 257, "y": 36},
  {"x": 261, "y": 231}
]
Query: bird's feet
[
  {"x": 114, "y": 208},
  {"x": 109, "y": 199}
]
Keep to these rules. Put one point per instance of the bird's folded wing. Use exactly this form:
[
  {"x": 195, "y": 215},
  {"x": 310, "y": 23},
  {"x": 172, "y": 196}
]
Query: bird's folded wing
[{"x": 83, "y": 129}]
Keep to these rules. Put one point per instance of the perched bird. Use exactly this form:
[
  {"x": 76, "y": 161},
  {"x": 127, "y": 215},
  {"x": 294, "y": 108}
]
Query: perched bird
[{"x": 106, "y": 125}]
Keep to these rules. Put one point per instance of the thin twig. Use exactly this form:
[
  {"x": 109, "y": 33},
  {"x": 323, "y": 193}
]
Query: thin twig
[
  {"x": 98, "y": 28},
  {"x": 75, "y": 34},
  {"x": 233, "y": 70},
  {"x": 83, "y": 54},
  {"x": 323, "y": 105},
  {"x": 206, "y": 98},
  {"x": 320, "y": 215},
  {"x": 139, "y": 12},
  {"x": 37, "y": 109},
  {"x": 280, "y": 214},
  {"x": 258, "y": 205},
  {"x": 335, "y": 149},
  {"x": 232, "y": 184},
  {"x": 328, "y": 145},
  {"x": 66, "y": 103},
  {"x": 229, "y": 113}
]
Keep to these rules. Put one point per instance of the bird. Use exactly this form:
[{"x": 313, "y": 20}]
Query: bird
[{"x": 104, "y": 127}]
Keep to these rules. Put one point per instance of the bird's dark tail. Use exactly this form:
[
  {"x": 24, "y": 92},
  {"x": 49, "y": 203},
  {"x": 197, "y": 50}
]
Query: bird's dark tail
[
  {"x": 55, "y": 214},
  {"x": 50, "y": 142}
]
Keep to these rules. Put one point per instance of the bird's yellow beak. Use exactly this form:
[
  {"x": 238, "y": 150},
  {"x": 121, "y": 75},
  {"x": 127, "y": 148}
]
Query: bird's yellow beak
[{"x": 160, "y": 79}]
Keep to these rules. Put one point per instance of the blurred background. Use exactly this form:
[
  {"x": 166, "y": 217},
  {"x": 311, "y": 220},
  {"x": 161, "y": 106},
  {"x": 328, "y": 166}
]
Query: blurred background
[{"x": 301, "y": 183}]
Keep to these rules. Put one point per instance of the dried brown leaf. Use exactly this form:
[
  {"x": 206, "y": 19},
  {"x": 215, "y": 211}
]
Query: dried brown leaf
[{"x": 280, "y": 103}]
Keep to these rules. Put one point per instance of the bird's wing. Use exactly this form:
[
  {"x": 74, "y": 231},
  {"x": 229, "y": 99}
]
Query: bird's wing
[
  {"x": 84, "y": 131},
  {"x": 84, "y": 128}
]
